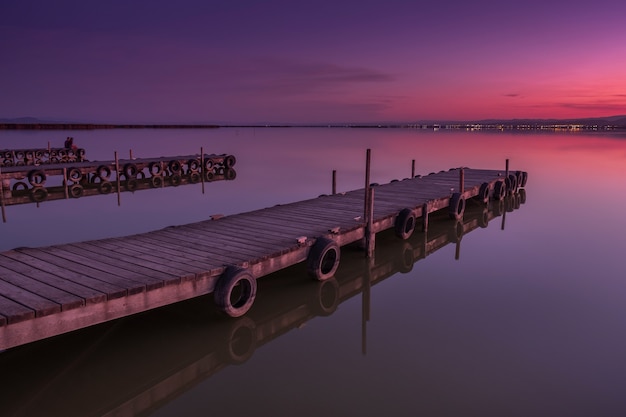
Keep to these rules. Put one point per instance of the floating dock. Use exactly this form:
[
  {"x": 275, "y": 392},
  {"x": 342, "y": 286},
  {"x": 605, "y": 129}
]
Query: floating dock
[{"x": 52, "y": 290}]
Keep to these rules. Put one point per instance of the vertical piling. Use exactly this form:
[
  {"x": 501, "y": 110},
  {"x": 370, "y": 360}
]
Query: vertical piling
[
  {"x": 130, "y": 154},
  {"x": 413, "y": 168},
  {"x": 117, "y": 175},
  {"x": 202, "y": 169},
  {"x": 334, "y": 189},
  {"x": 4, "y": 216},
  {"x": 425, "y": 217},
  {"x": 67, "y": 194},
  {"x": 370, "y": 236}
]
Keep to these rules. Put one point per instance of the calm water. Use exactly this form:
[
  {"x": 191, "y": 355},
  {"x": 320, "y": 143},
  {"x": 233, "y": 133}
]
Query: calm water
[{"x": 526, "y": 316}]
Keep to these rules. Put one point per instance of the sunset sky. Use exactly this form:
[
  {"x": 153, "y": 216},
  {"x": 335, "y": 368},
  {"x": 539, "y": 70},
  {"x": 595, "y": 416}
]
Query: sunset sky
[{"x": 244, "y": 61}]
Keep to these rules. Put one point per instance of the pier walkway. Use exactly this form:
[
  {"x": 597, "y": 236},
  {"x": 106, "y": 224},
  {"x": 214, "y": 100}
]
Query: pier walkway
[{"x": 51, "y": 290}]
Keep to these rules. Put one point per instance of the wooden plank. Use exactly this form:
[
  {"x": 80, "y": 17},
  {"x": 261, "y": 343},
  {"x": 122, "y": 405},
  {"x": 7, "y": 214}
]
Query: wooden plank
[
  {"x": 146, "y": 257},
  {"x": 41, "y": 305},
  {"x": 130, "y": 287},
  {"x": 87, "y": 294},
  {"x": 155, "y": 247},
  {"x": 12, "y": 312},
  {"x": 110, "y": 290},
  {"x": 118, "y": 261},
  {"x": 68, "y": 253},
  {"x": 63, "y": 298}
]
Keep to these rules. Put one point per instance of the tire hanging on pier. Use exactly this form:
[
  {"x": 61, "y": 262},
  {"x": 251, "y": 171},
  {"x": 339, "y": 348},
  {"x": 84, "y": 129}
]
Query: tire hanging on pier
[
  {"x": 483, "y": 192},
  {"x": 405, "y": 223},
  {"x": 37, "y": 177},
  {"x": 511, "y": 183},
  {"x": 103, "y": 172},
  {"x": 235, "y": 291},
  {"x": 74, "y": 175},
  {"x": 499, "y": 190},
  {"x": 76, "y": 191},
  {"x": 130, "y": 171},
  {"x": 323, "y": 259},
  {"x": 457, "y": 206}
]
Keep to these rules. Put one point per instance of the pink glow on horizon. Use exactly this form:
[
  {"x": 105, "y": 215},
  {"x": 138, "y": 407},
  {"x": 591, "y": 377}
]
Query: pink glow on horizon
[{"x": 249, "y": 64}]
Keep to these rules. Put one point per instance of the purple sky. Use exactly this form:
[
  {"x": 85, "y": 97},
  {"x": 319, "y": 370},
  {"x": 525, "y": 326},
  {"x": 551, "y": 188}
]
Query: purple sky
[{"x": 242, "y": 61}]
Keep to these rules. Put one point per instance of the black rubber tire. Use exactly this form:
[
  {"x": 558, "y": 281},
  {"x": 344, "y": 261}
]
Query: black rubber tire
[
  {"x": 37, "y": 178},
  {"x": 194, "y": 177},
  {"x": 20, "y": 186},
  {"x": 522, "y": 196},
  {"x": 457, "y": 206},
  {"x": 130, "y": 171},
  {"x": 105, "y": 187},
  {"x": 230, "y": 174},
  {"x": 74, "y": 175},
  {"x": 511, "y": 183},
  {"x": 405, "y": 223},
  {"x": 131, "y": 184},
  {"x": 524, "y": 179},
  {"x": 176, "y": 168},
  {"x": 104, "y": 172},
  {"x": 229, "y": 161},
  {"x": 156, "y": 181},
  {"x": 323, "y": 259},
  {"x": 76, "y": 191},
  {"x": 38, "y": 194},
  {"x": 483, "y": 192},
  {"x": 483, "y": 220},
  {"x": 155, "y": 168},
  {"x": 235, "y": 291},
  {"x": 499, "y": 190},
  {"x": 193, "y": 165}
]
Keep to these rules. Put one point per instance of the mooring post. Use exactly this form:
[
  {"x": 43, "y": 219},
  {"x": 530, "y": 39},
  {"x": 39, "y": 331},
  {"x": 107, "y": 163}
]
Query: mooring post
[
  {"x": 49, "y": 150},
  {"x": 462, "y": 180},
  {"x": 67, "y": 194},
  {"x": 130, "y": 153},
  {"x": 202, "y": 170},
  {"x": 413, "y": 168},
  {"x": 366, "y": 302},
  {"x": 334, "y": 190},
  {"x": 117, "y": 175},
  {"x": 370, "y": 236},
  {"x": 4, "y": 216},
  {"x": 506, "y": 171}
]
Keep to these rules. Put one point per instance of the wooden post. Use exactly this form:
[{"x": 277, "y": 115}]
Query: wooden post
[
  {"x": 117, "y": 175},
  {"x": 368, "y": 157},
  {"x": 334, "y": 181},
  {"x": 370, "y": 236},
  {"x": 462, "y": 180},
  {"x": 202, "y": 171},
  {"x": 67, "y": 194},
  {"x": 506, "y": 172},
  {"x": 49, "y": 149},
  {"x": 4, "y": 216},
  {"x": 425, "y": 217},
  {"x": 366, "y": 302},
  {"x": 130, "y": 153},
  {"x": 413, "y": 168}
]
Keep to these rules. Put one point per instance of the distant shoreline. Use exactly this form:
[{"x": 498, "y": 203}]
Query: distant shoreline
[{"x": 462, "y": 126}]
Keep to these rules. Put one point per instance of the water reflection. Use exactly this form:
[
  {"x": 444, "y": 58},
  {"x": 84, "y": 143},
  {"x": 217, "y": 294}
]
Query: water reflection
[{"x": 136, "y": 365}]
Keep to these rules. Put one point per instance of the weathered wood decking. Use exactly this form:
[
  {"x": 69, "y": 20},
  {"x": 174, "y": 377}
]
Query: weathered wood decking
[
  {"x": 148, "y": 361},
  {"x": 52, "y": 290}
]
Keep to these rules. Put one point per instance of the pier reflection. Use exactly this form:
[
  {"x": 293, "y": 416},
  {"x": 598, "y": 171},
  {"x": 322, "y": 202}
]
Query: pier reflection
[{"x": 135, "y": 365}]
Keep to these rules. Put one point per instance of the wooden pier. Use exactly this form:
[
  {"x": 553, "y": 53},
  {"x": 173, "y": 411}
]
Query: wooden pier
[
  {"x": 137, "y": 365},
  {"x": 51, "y": 290}
]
